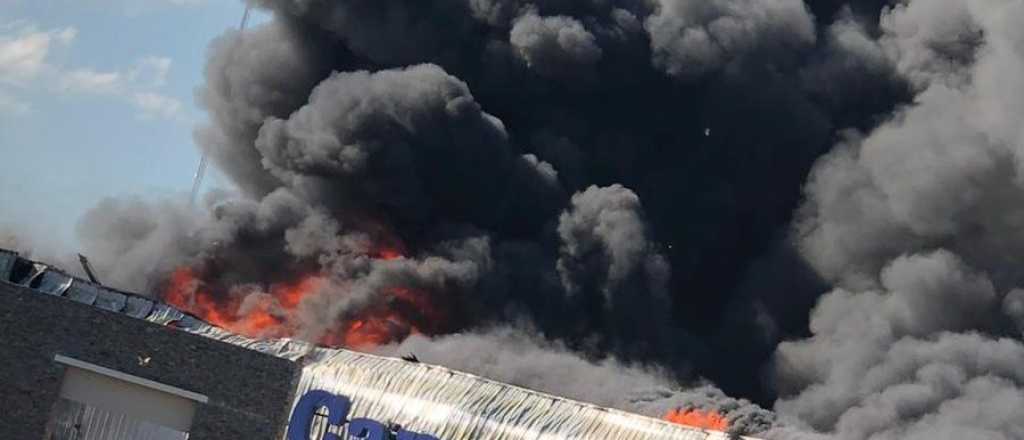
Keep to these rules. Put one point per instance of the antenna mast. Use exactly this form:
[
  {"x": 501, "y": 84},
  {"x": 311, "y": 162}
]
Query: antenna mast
[{"x": 197, "y": 180}]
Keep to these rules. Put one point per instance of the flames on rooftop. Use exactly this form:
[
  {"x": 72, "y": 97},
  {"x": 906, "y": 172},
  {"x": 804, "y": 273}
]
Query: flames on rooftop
[{"x": 274, "y": 310}]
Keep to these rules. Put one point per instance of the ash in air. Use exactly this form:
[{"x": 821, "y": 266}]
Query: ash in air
[{"x": 646, "y": 204}]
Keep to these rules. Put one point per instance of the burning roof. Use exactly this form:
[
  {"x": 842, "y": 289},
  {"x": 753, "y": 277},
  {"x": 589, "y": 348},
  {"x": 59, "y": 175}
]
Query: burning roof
[{"x": 427, "y": 398}]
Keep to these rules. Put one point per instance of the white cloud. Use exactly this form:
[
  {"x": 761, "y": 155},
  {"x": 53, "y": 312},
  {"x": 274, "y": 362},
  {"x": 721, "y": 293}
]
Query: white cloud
[
  {"x": 25, "y": 63},
  {"x": 154, "y": 105},
  {"x": 137, "y": 86},
  {"x": 24, "y": 50},
  {"x": 10, "y": 105},
  {"x": 151, "y": 69},
  {"x": 91, "y": 81},
  {"x": 147, "y": 73},
  {"x": 126, "y": 7}
]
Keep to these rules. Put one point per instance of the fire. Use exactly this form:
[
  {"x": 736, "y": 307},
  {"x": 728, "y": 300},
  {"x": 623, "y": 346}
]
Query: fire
[
  {"x": 405, "y": 312},
  {"x": 389, "y": 254},
  {"x": 263, "y": 316},
  {"x": 370, "y": 332},
  {"x": 698, "y": 419}
]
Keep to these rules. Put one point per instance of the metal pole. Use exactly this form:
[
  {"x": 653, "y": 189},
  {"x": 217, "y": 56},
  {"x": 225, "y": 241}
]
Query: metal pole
[{"x": 197, "y": 180}]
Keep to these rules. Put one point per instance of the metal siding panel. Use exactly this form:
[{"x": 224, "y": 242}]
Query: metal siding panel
[
  {"x": 452, "y": 406},
  {"x": 137, "y": 307},
  {"x": 37, "y": 270},
  {"x": 78, "y": 421},
  {"x": 164, "y": 314},
  {"x": 54, "y": 283},
  {"x": 110, "y": 300},
  {"x": 83, "y": 292},
  {"x": 7, "y": 259},
  {"x": 191, "y": 323}
]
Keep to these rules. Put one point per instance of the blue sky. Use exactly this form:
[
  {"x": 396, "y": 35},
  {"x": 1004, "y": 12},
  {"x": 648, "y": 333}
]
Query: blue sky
[{"x": 97, "y": 100}]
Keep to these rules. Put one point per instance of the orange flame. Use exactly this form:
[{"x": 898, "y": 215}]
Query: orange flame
[
  {"x": 389, "y": 254},
  {"x": 698, "y": 419},
  {"x": 405, "y": 315},
  {"x": 274, "y": 315},
  {"x": 265, "y": 317}
]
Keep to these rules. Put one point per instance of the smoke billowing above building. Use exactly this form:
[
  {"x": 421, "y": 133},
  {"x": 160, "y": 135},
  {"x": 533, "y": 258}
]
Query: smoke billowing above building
[{"x": 814, "y": 206}]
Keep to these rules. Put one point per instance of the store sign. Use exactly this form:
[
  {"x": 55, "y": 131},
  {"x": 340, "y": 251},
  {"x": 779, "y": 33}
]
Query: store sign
[{"x": 300, "y": 425}]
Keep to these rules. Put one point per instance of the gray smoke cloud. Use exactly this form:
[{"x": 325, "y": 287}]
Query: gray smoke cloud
[
  {"x": 693, "y": 37},
  {"x": 448, "y": 121},
  {"x": 516, "y": 355},
  {"x": 554, "y": 46},
  {"x": 605, "y": 252},
  {"x": 916, "y": 223},
  {"x": 249, "y": 93},
  {"x": 810, "y": 205},
  {"x": 407, "y": 139}
]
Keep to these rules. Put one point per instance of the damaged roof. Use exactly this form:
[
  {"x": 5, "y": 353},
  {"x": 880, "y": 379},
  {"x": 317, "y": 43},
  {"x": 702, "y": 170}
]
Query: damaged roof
[{"x": 428, "y": 398}]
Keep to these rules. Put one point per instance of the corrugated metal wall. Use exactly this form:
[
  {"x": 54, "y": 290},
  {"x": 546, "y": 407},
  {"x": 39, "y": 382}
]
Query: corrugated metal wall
[
  {"x": 448, "y": 404},
  {"x": 451, "y": 405},
  {"x": 78, "y": 421}
]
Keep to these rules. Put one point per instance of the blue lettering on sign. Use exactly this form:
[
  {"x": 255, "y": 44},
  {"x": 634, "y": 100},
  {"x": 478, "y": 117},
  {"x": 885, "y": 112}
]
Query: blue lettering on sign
[{"x": 299, "y": 427}]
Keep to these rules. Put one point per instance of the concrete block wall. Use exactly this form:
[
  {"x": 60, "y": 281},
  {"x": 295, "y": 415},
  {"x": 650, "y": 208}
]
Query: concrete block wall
[{"x": 250, "y": 392}]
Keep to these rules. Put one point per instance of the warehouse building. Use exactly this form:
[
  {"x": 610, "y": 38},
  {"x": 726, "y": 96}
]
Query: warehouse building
[{"x": 86, "y": 362}]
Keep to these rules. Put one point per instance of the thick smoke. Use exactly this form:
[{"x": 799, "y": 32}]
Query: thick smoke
[
  {"x": 618, "y": 159},
  {"x": 554, "y": 46},
  {"x": 516, "y": 355},
  {"x": 615, "y": 200},
  {"x": 917, "y": 223},
  {"x": 693, "y": 37}
]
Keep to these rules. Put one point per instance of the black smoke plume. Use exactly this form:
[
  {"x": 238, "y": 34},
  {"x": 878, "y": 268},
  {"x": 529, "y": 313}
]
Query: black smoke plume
[{"x": 652, "y": 193}]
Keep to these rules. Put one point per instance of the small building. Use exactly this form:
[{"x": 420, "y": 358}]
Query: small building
[{"x": 82, "y": 361}]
